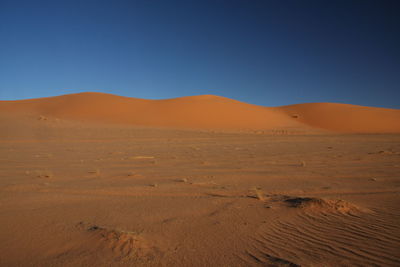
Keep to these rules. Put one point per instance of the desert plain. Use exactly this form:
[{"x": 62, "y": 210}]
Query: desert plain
[{"x": 100, "y": 180}]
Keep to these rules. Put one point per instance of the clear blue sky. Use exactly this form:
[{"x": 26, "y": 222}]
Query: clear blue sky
[{"x": 269, "y": 53}]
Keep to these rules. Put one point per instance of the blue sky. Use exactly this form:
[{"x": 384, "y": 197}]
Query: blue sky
[{"x": 263, "y": 52}]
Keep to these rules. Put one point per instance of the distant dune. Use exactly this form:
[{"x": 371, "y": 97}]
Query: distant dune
[
  {"x": 209, "y": 112},
  {"x": 346, "y": 118}
]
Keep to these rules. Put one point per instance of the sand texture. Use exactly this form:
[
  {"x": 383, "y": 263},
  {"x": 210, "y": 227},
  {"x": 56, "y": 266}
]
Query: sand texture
[{"x": 101, "y": 180}]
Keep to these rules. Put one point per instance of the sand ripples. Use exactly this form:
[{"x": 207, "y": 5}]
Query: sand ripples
[{"x": 328, "y": 237}]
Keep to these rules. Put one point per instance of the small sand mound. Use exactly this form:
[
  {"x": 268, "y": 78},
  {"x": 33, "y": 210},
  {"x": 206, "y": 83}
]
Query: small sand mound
[
  {"x": 123, "y": 244},
  {"x": 321, "y": 204}
]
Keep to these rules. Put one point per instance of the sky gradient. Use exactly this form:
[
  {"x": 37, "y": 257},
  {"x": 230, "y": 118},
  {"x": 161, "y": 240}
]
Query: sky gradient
[{"x": 268, "y": 53}]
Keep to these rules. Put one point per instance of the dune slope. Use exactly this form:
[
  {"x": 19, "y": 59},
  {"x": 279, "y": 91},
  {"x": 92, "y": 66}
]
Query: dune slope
[
  {"x": 346, "y": 118},
  {"x": 209, "y": 111}
]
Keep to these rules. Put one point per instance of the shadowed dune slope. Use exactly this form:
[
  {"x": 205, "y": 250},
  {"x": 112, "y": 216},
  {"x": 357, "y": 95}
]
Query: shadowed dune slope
[{"x": 208, "y": 111}]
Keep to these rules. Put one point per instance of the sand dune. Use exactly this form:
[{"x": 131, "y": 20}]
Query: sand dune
[
  {"x": 186, "y": 112},
  {"x": 209, "y": 112},
  {"x": 346, "y": 118}
]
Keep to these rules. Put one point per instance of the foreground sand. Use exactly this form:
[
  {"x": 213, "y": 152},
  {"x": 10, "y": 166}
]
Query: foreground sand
[{"x": 75, "y": 194}]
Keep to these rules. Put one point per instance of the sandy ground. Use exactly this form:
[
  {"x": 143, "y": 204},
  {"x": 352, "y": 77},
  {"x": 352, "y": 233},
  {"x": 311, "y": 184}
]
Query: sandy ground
[
  {"x": 100, "y": 180},
  {"x": 79, "y": 194}
]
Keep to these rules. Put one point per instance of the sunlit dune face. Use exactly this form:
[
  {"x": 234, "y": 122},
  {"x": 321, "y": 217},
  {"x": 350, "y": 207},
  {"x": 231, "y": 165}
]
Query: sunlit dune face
[{"x": 210, "y": 112}]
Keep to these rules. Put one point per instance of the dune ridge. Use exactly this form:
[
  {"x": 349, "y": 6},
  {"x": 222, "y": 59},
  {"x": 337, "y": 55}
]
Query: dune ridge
[{"x": 209, "y": 112}]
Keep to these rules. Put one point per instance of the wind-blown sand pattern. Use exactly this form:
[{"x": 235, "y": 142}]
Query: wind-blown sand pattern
[{"x": 101, "y": 180}]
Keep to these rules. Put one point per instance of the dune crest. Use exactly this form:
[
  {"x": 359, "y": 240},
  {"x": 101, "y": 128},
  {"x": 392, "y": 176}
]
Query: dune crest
[{"x": 209, "y": 112}]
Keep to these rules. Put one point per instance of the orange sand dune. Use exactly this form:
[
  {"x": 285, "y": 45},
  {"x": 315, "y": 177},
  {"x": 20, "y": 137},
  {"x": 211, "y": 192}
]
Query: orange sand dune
[
  {"x": 346, "y": 118},
  {"x": 209, "y": 111}
]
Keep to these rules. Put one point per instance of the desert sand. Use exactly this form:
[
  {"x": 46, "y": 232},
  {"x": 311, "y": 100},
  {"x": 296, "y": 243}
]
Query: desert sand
[{"x": 101, "y": 180}]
